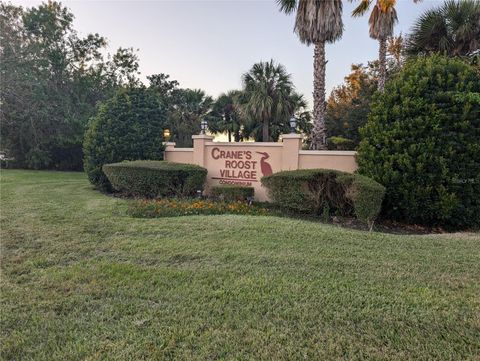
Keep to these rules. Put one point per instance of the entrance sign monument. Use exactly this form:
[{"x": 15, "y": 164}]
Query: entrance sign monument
[{"x": 246, "y": 163}]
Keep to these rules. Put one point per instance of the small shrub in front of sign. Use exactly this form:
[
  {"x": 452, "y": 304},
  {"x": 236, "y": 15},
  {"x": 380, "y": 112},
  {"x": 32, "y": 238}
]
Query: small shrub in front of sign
[
  {"x": 314, "y": 190},
  {"x": 365, "y": 194},
  {"x": 231, "y": 193},
  {"x": 152, "y": 179}
]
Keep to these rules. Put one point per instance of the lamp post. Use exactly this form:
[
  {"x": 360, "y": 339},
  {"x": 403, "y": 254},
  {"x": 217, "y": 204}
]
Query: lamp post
[
  {"x": 166, "y": 134},
  {"x": 293, "y": 125},
  {"x": 203, "y": 126}
]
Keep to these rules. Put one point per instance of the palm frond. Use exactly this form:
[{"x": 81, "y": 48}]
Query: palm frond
[
  {"x": 382, "y": 21},
  {"x": 268, "y": 96},
  {"x": 319, "y": 21},
  {"x": 362, "y": 8},
  {"x": 287, "y": 6},
  {"x": 452, "y": 29}
]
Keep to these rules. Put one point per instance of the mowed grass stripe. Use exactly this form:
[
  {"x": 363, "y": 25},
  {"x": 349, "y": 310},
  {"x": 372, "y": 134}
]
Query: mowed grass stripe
[{"x": 81, "y": 280}]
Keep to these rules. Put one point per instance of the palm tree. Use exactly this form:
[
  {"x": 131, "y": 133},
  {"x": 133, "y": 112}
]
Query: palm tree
[
  {"x": 452, "y": 29},
  {"x": 226, "y": 117},
  {"x": 382, "y": 20},
  {"x": 317, "y": 22},
  {"x": 190, "y": 106},
  {"x": 281, "y": 125},
  {"x": 268, "y": 98}
]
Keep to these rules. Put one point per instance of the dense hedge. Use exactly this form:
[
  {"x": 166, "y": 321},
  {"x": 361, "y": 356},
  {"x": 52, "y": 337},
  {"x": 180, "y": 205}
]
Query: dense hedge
[
  {"x": 152, "y": 179},
  {"x": 314, "y": 190},
  {"x": 422, "y": 141},
  {"x": 365, "y": 194},
  {"x": 127, "y": 127},
  {"x": 231, "y": 193}
]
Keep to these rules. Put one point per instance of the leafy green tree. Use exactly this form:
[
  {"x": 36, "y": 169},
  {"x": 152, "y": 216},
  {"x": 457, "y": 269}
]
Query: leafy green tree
[
  {"x": 395, "y": 51},
  {"x": 52, "y": 80},
  {"x": 382, "y": 20},
  {"x": 268, "y": 101},
  {"x": 421, "y": 141},
  {"x": 304, "y": 119},
  {"x": 348, "y": 106},
  {"x": 127, "y": 127},
  {"x": 186, "y": 108},
  {"x": 163, "y": 86},
  {"x": 452, "y": 29},
  {"x": 317, "y": 22}
]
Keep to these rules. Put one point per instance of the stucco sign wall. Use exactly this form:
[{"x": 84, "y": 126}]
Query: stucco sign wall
[
  {"x": 247, "y": 162},
  {"x": 239, "y": 166}
]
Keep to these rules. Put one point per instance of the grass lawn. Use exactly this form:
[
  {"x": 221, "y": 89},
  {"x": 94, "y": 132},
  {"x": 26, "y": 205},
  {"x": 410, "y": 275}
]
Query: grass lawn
[{"x": 83, "y": 281}]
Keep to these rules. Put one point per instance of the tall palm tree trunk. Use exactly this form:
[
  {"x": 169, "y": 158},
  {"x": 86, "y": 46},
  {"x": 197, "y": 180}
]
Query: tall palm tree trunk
[
  {"x": 382, "y": 58},
  {"x": 265, "y": 134},
  {"x": 318, "y": 133}
]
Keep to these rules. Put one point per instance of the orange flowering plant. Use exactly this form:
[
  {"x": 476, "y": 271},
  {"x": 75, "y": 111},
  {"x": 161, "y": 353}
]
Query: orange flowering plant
[{"x": 172, "y": 207}]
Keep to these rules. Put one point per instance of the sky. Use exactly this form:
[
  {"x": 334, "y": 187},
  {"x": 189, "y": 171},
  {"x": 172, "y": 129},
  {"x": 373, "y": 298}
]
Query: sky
[{"x": 210, "y": 44}]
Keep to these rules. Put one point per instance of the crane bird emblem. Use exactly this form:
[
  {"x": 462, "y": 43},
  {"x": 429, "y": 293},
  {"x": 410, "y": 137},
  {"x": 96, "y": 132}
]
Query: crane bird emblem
[{"x": 265, "y": 167}]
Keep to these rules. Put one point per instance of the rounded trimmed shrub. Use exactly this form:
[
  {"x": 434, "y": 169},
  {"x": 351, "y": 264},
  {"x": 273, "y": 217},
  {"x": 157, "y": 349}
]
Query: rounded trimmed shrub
[
  {"x": 127, "y": 127},
  {"x": 316, "y": 190},
  {"x": 231, "y": 193},
  {"x": 153, "y": 179},
  {"x": 422, "y": 141}
]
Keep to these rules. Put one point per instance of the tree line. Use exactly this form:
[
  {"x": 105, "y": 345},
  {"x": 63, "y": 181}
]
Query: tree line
[
  {"x": 53, "y": 81},
  {"x": 452, "y": 29}
]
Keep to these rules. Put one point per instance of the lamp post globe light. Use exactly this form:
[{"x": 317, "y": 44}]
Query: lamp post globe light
[
  {"x": 293, "y": 125},
  {"x": 203, "y": 126},
  {"x": 166, "y": 134}
]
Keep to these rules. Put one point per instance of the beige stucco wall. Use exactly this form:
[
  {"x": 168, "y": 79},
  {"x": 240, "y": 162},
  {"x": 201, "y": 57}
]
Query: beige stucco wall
[
  {"x": 246, "y": 163},
  {"x": 329, "y": 159},
  {"x": 180, "y": 155},
  {"x": 230, "y": 170}
]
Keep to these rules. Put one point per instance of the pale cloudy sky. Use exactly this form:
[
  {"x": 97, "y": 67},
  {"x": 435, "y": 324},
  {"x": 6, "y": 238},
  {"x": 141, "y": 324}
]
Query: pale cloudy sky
[{"x": 209, "y": 44}]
